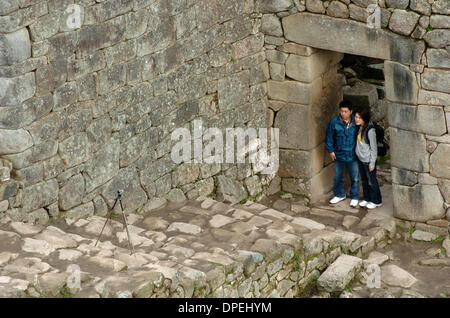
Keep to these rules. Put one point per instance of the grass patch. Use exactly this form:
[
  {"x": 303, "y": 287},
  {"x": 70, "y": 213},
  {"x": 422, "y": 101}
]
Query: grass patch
[
  {"x": 212, "y": 195},
  {"x": 439, "y": 239},
  {"x": 383, "y": 159},
  {"x": 349, "y": 287}
]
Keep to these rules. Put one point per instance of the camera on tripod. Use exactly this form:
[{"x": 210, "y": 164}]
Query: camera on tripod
[{"x": 118, "y": 198}]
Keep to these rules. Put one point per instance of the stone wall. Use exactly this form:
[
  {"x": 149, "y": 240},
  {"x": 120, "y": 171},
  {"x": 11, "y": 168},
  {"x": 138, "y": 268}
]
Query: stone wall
[
  {"x": 89, "y": 108},
  {"x": 413, "y": 42},
  {"x": 89, "y": 98}
]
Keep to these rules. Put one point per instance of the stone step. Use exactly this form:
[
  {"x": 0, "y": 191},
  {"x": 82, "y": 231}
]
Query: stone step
[{"x": 341, "y": 272}]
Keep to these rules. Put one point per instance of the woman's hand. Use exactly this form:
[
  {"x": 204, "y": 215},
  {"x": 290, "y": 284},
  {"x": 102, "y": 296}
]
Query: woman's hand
[
  {"x": 371, "y": 168},
  {"x": 333, "y": 156}
]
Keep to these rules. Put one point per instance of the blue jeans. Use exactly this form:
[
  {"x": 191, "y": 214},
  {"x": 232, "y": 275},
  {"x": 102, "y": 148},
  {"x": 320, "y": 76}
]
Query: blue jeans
[
  {"x": 338, "y": 181},
  {"x": 371, "y": 189}
]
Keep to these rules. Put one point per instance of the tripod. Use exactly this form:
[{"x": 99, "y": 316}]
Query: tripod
[{"x": 118, "y": 198}]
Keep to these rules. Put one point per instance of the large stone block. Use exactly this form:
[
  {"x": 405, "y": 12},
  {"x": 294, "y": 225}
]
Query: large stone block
[
  {"x": 15, "y": 90},
  {"x": 44, "y": 27},
  {"x": 308, "y": 68},
  {"x": 440, "y": 161},
  {"x": 293, "y": 91},
  {"x": 39, "y": 195},
  {"x": 162, "y": 34},
  {"x": 401, "y": 85},
  {"x": 184, "y": 174},
  {"x": 439, "y": 38},
  {"x": 111, "y": 78},
  {"x": 75, "y": 149},
  {"x": 229, "y": 190},
  {"x": 362, "y": 94},
  {"x": 15, "y": 46},
  {"x": 436, "y": 80},
  {"x": 107, "y": 10},
  {"x": 71, "y": 194},
  {"x": 444, "y": 186},
  {"x": 248, "y": 46},
  {"x": 269, "y": 6},
  {"x": 51, "y": 76},
  {"x": 350, "y": 37},
  {"x": 403, "y": 22},
  {"x": 404, "y": 177},
  {"x": 78, "y": 68},
  {"x": 399, "y": 4},
  {"x": 133, "y": 149},
  {"x": 9, "y": 6},
  {"x": 357, "y": 13},
  {"x": 440, "y": 21},
  {"x": 8, "y": 189},
  {"x": 315, "y": 6},
  {"x": 426, "y": 119},
  {"x": 433, "y": 98},
  {"x": 63, "y": 45},
  {"x": 408, "y": 150},
  {"x": 271, "y": 25},
  {"x": 322, "y": 183},
  {"x": 296, "y": 163},
  {"x": 297, "y": 186},
  {"x": 293, "y": 122},
  {"x": 438, "y": 58},
  {"x": 103, "y": 166},
  {"x": 338, "y": 10},
  {"x": 233, "y": 90},
  {"x": 81, "y": 211},
  {"x": 65, "y": 95},
  {"x": 294, "y": 48},
  {"x": 214, "y": 12},
  {"x": 14, "y": 141},
  {"x": 340, "y": 273},
  {"x": 441, "y": 7},
  {"x": 134, "y": 196},
  {"x": 420, "y": 203},
  {"x": 304, "y": 127},
  {"x": 98, "y": 36}
]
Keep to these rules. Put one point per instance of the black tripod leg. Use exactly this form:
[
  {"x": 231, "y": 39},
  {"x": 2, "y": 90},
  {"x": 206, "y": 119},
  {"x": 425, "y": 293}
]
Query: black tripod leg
[
  {"x": 126, "y": 226},
  {"x": 107, "y": 218}
]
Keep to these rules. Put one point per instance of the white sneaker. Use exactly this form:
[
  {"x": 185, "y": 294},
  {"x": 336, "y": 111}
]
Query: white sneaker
[
  {"x": 371, "y": 205},
  {"x": 354, "y": 203},
  {"x": 336, "y": 200},
  {"x": 363, "y": 203}
]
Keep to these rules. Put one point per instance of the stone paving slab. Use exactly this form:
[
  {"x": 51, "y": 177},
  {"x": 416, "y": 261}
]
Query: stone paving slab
[{"x": 195, "y": 249}]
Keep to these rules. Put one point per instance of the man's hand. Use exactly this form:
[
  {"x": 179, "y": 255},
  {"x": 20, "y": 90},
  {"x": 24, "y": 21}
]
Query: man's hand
[
  {"x": 371, "y": 168},
  {"x": 333, "y": 156}
]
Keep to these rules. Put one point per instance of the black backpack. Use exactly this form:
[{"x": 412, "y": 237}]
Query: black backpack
[{"x": 382, "y": 145}]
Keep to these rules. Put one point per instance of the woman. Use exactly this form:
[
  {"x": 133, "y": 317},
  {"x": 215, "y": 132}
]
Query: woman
[{"x": 366, "y": 152}]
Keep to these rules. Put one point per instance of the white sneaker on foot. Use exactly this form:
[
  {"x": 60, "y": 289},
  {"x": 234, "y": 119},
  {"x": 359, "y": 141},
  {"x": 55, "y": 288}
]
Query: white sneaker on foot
[
  {"x": 363, "y": 203},
  {"x": 371, "y": 205},
  {"x": 354, "y": 203},
  {"x": 336, "y": 200}
]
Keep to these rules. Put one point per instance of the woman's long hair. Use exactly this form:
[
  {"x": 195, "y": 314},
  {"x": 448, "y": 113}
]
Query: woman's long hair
[{"x": 365, "y": 116}]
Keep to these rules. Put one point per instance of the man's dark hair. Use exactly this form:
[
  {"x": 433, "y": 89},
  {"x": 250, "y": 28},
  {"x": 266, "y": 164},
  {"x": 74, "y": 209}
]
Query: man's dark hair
[{"x": 347, "y": 104}]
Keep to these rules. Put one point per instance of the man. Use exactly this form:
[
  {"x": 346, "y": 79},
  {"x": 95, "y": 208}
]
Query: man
[{"x": 340, "y": 143}]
